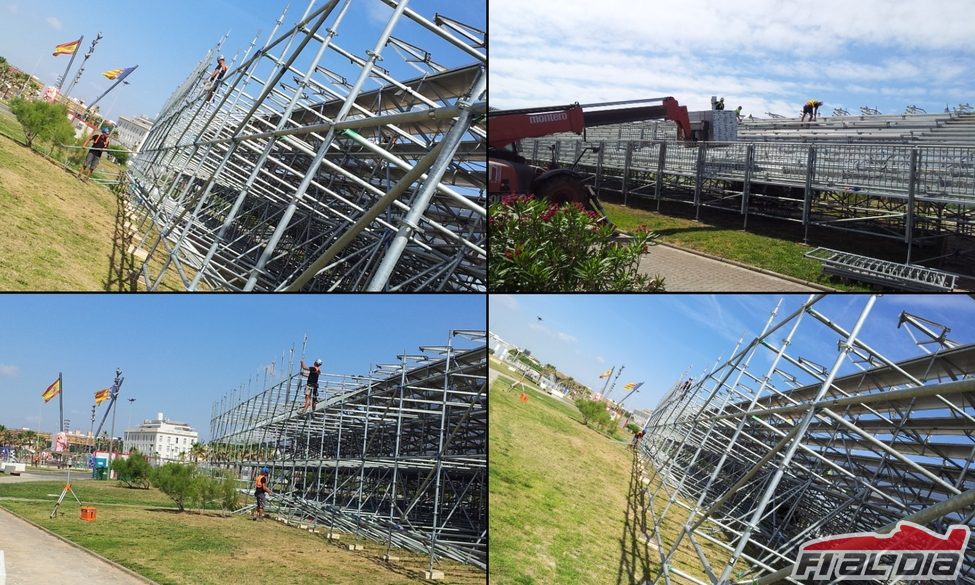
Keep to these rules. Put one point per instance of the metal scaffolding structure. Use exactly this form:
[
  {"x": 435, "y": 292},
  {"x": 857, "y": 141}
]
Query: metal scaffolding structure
[
  {"x": 397, "y": 456},
  {"x": 317, "y": 166},
  {"x": 807, "y": 431}
]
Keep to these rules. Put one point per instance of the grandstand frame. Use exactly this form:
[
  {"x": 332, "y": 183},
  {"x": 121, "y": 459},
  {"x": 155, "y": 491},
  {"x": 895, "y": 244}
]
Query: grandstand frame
[
  {"x": 322, "y": 167},
  {"x": 810, "y": 430}
]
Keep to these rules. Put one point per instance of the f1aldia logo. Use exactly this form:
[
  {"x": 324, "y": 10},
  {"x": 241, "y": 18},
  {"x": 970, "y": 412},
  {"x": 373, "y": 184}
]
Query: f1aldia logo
[{"x": 909, "y": 552}]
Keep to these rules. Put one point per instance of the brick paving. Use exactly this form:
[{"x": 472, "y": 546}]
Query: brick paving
[{"x": 688, "y": 272}]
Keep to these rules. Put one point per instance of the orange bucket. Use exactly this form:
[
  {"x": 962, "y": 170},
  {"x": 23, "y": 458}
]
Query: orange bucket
[{"x": 88, "y": 513}]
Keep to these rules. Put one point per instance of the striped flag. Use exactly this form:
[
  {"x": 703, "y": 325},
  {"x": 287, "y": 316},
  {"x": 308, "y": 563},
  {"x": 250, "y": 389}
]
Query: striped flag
[
  {"x": 633, "y": 385},
  {"x": 102, "y": 395},
  {"x": 67, "y": 48},
  {"x": 52, "y": 390},
  {"x": 607, "y": 373},
  {"x": 118, "y": 73}
]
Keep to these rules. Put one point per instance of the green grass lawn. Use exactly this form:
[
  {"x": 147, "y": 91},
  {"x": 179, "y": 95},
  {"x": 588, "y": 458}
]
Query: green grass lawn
[
  {"x": 769, "y": 252},
  {"x": 57, "y": 233},
  {"x": 568, "y": 505},
  {"x": 139, "y": 530}
]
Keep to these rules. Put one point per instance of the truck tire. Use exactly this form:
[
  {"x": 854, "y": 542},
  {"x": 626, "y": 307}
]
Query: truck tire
[{"x": 562, "y": 189}]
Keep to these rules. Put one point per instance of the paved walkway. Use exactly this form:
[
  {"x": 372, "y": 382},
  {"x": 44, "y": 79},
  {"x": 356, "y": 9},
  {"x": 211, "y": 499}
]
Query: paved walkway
[
  {"x": 31, "y": 556},
  {"x": 688, "y": 272}
]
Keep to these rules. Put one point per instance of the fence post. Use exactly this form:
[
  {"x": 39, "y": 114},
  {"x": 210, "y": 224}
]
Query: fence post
[
  {"x": 911, "y": 193},
  {"x": 807, "y": 198},
  {"x": 628, "y": 154},
  {"x": 746, "y": 188},
  {"x": 699, "y": 179},
  {"x": 599, "y": 165},
  {"x": 661, "y": 159}
]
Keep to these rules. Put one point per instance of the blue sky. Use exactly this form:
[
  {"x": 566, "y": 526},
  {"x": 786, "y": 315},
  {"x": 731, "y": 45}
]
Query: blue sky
[
  {"x": 659, "y": 337},
  {"x": 168, "y": 38},
  {"x": 765, "y": 55},
  {"x": 181, "y": 353}
]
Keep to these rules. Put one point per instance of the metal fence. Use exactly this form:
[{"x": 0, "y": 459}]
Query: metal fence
[
  {"x": 811, "y": 430},
  {"x": 320, "y": 166},
  {"x": 896, "y": 191}
]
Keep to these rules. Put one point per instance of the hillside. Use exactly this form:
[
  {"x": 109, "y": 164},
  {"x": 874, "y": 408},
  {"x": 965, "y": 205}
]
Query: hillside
[{"x": 57, "y": 233}]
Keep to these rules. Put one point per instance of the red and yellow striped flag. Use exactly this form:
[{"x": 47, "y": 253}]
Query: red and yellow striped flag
[
  {"x": 52, "y": 390},
  {"x": 102, "y": 395},
  {"x": 67, "y": 48}
]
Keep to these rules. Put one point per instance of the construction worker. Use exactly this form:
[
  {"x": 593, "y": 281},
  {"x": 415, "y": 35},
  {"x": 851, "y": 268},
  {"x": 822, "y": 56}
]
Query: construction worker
[
  {"x": 719, "y": 105},
  {"x": 738, "y": 113},
  {"x": 260, "y": 488},
  {"x": 216, "y": 77},
  {"x": 812, "y": 109},
  {"x": 99, "y": 144},
  {"x": 311, "y": 386}
]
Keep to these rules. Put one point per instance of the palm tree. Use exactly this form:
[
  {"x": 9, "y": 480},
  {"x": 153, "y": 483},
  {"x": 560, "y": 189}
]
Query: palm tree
[{"x": 198, "y": 451}]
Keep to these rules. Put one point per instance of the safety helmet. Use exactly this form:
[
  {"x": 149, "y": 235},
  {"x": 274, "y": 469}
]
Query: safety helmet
[
  {"x": 318, "y": 362},
  {"x": 264, "y": 470},
  {"x": 105, "y": 129},
  {"x": 220, "y": 58}
]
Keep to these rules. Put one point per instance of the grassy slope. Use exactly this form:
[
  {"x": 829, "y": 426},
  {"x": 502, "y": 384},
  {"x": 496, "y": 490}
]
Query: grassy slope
[
  {"x": 567, "y": 504},
  {"x": 194, "y": 548},
  {"x": 58, "y": 233},
  {"x": 731, "y": 242}
]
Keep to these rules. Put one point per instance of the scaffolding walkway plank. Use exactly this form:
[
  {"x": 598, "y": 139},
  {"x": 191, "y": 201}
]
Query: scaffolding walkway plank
[{"x": 906, "y": 277}]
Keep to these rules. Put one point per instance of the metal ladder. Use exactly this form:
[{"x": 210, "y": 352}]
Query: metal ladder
[{"x": 907, "y": 277}]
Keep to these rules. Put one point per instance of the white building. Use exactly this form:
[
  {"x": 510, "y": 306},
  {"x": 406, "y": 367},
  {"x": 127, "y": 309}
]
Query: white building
[
  {"x": 160, "y": 439},
  {"x": 132, "y": 131}
]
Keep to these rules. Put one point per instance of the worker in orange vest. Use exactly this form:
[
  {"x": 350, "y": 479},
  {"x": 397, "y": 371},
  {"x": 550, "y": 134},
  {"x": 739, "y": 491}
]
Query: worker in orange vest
[{"x": 261, "y": 488}]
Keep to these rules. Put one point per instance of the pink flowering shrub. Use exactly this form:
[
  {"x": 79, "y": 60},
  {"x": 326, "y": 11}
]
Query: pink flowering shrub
[{"x": 535, "y": 246}]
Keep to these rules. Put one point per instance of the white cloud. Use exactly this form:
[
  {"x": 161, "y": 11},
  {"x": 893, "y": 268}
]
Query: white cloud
[
  {"x": 54, "y": 23},
  {"x": 566, "y": 337},
  {"x": 8, "y": 371},
  {"x": 506, "y": 301},
  {"x": 766, "y": 55}
]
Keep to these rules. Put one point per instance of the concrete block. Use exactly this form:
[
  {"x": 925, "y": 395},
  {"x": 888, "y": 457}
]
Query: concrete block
[
  {"x": 303, "y": 526},
  {"x": 355, "y": 547},
  {"x": 333, "y": 536},
  {"x": 390, "y": 559},
  {"x": 434, "y": 575}
]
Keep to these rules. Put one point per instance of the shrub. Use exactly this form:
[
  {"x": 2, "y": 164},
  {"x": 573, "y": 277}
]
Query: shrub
[
  {"x": 133, "y": 471},
  {"x": 43, "y": 120},
  {"x": 206, "y": 489},
  {"x": 119, "y": 154},
  {"x": 230, "y": 497},
  {"x": 537, "y": 246},
  {"x": 176, "y": 481}
]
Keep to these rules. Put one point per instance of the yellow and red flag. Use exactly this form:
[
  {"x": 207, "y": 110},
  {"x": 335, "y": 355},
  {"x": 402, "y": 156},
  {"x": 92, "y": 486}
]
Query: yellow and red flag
[
  {"x": 52, "y": 390},
  {"x": 67, "y": 48},
  {"x": 607, "y": 373},
  {"x": 102, "y": 395}
]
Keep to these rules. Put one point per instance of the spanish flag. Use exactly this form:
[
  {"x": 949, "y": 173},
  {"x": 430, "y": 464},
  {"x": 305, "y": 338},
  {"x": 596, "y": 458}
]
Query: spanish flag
[
  {"x": 117, "y": 73},
  {"x": 67, "y": 48},
  {"x": 633, "y": 385},
  {"x": 102, "y": 395},
  {"x": 52, "y": 390},
  {"x": 607, "y": 373}
]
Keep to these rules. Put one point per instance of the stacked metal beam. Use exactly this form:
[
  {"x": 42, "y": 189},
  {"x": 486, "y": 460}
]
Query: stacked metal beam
[
  {"x": 810, "y": 430},
  {"x": 398, "y": 456},
  {"x": 318, "y": 166}
]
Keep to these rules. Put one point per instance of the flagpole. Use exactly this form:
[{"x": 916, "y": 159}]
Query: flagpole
[
  {"x": 607, "y": 380},
  {"x": 118, "y": 81},
  {"x": 70, "y": 63},
  {"x": 81, "y": 70},
  {"x": 60, "y": 403}
]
